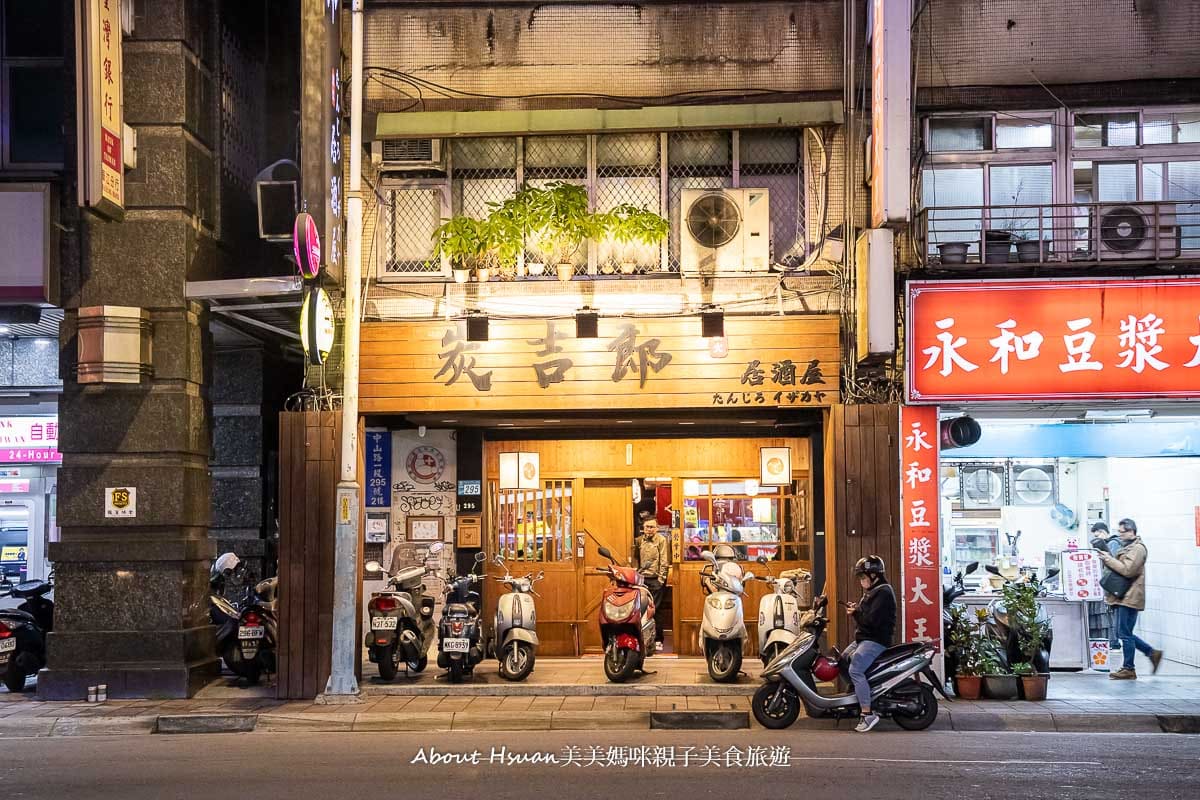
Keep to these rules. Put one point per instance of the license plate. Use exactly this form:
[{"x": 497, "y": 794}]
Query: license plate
[
  {"x": 251, "y": 632},
  {"x": 384, "y": 623},
  {"x": 456, "y": 645},
  {"x": 8, "y": 645}
]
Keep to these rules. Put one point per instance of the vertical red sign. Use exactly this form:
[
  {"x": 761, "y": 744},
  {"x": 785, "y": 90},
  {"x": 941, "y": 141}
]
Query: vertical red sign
[{"x": 920, "y": 570}]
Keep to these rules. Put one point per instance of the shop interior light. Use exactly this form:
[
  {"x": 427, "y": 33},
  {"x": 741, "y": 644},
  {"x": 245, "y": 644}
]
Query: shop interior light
[
  {"x": 587, "y": 323},
  {"x": 1117, "y": 413},
  {"x": 712, "y": 323},
  {"x": 691, "y": 488},
  {"x": 520, "y": 471},
  {"x": 477, "y": 327}
]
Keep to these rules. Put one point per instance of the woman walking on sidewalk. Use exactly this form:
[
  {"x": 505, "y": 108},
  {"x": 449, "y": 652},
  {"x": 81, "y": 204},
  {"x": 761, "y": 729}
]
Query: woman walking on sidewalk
[{"x": 1130, "y": 563}]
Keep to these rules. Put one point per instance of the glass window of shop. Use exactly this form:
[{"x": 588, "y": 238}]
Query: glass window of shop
[
  {"x": 756, "y": 520},
  {"x": 532, "y": 524}
]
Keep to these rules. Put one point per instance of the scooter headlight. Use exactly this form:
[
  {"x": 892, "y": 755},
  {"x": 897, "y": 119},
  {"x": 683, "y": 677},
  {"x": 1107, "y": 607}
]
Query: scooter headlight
[
  {"x": 618, "y": 612},
  {"x": 730, "y": 603},
  {"x": 714, "y": 602}
]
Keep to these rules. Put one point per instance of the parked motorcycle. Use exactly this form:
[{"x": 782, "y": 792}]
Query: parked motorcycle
[
  {"x": 779, "y": 609},
  {"x": 401, "y": 618},
  {"x": 516, "y": 624},
  {"x": 247, "y": 625},
  {"x": 897, "y": 690},
  {"x": 950, "y": 593},
  {"x": 626, "y": 620},
  {"x": 459, "y": 642},
  {"x": 998, "y": 627},
  {"x": 23, "y": 632},
  {"x": 723, "y": 628}
]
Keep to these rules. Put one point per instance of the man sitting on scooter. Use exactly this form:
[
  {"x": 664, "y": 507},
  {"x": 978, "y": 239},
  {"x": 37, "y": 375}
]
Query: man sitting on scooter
[{"x": 875, "y": 617}]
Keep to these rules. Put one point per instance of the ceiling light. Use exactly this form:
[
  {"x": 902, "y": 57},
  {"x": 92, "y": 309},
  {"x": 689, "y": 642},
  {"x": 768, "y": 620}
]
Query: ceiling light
[
  {"x": 505, "y": 424},
  {"x": 552, "y": 420},
  {"x": 587, "y": 323},
  {"x": 748, "y": 422},
  {"x": 449, "y": 420},
  {"x": 1117, "y": 413},
  {"x": 477, "y": 327},
  {"x": 624, "y": 422},
  {"x": 712, "y": 323},
  {"x": 687, "y": 423}
]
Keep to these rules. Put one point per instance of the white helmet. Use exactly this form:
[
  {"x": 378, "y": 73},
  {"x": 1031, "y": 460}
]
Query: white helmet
[{"x": 225, "y": 564}]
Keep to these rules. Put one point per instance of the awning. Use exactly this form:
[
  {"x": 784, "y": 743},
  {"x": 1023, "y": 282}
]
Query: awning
[{"x": 447, "y": 124}]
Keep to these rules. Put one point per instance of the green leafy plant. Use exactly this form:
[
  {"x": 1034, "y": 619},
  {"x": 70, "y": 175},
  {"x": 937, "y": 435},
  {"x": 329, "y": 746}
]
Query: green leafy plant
[
  {"x": 963, "y": 636},
  {"x": 467, "y": 242},
  {"x": 1020, "y": 598},
  {"x": 628, "y": 224},
  {"x": 991, "y": 660},
  {"x": 556, "y": 219},
  {"x": 1022, "y": 668}
]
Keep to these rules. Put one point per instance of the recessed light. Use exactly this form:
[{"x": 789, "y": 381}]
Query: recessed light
[
  {"x": 449, "y": 420},
  {"x": 505, "y": 424},
  {"x": 624, "y": 422},
  {"x": 748, "y": 422},
  {"x": 552, "y": 420},
  {"x": 687, "y": 423}
]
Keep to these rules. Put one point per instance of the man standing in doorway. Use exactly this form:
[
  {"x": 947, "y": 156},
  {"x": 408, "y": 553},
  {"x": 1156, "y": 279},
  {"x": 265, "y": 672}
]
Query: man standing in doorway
[
  {"x": 1130, "y": 563},
  {"x": 654, "y": 561}
]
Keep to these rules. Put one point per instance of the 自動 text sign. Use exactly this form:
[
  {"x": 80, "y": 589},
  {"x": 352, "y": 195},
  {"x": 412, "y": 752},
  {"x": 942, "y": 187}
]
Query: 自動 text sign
[{"x": 1053, "y": 340}]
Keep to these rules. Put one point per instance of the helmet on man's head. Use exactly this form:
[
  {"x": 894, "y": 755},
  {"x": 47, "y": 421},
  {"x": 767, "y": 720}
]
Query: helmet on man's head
[
  {"x": 724, "y": 552},
  {"x": 869, "y": 565}
]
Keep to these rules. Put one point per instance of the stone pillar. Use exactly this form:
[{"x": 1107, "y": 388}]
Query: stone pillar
[
  {"x": 131, "y": 594},
  {"x": 237, "y": 457}
]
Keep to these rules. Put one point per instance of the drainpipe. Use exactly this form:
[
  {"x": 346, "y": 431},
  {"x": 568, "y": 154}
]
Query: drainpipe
[{"x": 342, "y": 680}]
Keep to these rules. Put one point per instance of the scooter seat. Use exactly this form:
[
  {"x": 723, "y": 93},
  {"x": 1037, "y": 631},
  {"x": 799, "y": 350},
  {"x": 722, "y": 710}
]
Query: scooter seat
[
  {"x": 897, "y": 653},
  {"x": 458, "y": 609},
  {"x": 29, "y": 589}
]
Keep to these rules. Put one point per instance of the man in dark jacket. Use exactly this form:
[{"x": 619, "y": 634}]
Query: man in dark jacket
[
  {"x": 875, "y": 617},
  {"x": 1104, "y": 539}
]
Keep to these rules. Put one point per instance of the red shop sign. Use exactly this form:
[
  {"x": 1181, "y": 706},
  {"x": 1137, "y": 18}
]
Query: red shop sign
[
  {"x": 1053, "y": 340},
  {"x": 920, "y": 568}
]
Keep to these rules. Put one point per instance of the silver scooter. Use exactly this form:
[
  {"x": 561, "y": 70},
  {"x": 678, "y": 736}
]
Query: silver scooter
[
  {"x": 723, "y": 628},
  {"x": 897, "y": 690},
  {"x": 779, "y": 609},
  {"x": 516, "y": 624}
]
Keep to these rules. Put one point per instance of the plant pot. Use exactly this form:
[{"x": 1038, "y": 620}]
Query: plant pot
[
  {"x": 536, "y": 268},
  {"x": 997, "y": 247},
  {"x": 953, "y": 252},
  {"x": 628, "y": 267},
  {"x": 462, "y": 275},
  {"x": 968, "y": 687},
  {"x": 1000, "y": 687},
  {"x": 566, "y": 272},
  {"x": 1029, "y": 252},
  {"x": 1034, "y": 686}
]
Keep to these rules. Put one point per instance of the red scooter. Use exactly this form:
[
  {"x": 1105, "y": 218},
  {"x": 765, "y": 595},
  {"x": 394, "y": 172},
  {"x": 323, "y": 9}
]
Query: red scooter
[{"x": 626, "y": 621}]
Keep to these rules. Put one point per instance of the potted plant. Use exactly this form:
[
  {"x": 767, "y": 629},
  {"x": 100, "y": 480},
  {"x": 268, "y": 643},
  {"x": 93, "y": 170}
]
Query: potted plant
[
  {"x": 1033, "y": 685},
  {"x": 1020, "y": 598},
  {"x": 962, "y": 652},
  {"x": 998, "y": 683},
  {"x": 558, "y": 219},
  {"x": 467, "y": 243},
  {"x": 629, "y": 226}
]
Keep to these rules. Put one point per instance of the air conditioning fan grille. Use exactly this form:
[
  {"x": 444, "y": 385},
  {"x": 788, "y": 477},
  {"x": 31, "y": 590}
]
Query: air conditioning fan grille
[
  {"x": 1124, "y": 229},
  {"x": 713, "y": 220},
  {"x": 403, "y": 150}
]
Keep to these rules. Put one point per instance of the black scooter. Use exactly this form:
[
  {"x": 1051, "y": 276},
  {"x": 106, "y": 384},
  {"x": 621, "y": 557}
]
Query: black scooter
[
  {"x": 247, "y": 628},
  {"x": 460, "y": 645},
  {"x": 23, "y": 632}
]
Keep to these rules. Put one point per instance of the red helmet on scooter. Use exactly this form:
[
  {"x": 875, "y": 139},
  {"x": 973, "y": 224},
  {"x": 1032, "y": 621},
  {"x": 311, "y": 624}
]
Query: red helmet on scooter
[{"x": 825, "y": 668}]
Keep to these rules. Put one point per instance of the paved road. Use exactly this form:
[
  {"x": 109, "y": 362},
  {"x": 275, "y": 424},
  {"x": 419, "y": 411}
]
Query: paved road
[{"x": 378, "y": 766}]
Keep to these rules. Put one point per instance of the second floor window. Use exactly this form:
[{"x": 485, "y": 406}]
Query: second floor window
[{"x": 32, "y": 85}]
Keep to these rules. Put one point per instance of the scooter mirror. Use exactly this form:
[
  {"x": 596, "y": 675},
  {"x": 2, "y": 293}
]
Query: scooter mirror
[
  {"x": 541, "y": 574},
  {"x": 762, "y": 559},
  {"x": 708, "y": 556},
  {"x": 436, "y": 547},
  {"x": 749, "y": 576},
  {"x": 604, "y": 551},
  {"x": 992, "y": 568},
  {"x": 480, "y": 558},
  {"x": 974, "y": 565},
  {"x": 373, "y": 566},
  {"x": 1052, "y": 573}
]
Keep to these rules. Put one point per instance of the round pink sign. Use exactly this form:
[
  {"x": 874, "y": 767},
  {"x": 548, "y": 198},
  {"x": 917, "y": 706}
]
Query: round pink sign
[{"x": 306, "y": 245}]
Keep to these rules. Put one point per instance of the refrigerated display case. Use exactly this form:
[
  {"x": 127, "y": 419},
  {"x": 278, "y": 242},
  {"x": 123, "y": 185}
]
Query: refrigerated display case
[{"x": 975, "y": 543}]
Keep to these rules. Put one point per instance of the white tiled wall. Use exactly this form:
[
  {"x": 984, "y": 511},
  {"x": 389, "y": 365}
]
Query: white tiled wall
[{"x": 1161, "y": 495}]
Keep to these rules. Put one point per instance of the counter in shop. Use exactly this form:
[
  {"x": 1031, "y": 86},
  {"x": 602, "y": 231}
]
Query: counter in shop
[{"x": 1068, "y": 620}]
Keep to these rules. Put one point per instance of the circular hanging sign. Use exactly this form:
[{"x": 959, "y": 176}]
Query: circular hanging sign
[
  {"x": 306, "y": 245},
  {"x": 425, "y": 464},
  {"x": 316, "y": 325}
]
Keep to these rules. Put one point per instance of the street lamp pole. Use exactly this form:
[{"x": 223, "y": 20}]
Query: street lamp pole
[{"x": 342, "y": 679}]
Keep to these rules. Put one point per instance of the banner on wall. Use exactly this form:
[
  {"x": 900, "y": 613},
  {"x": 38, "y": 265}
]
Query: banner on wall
[
  {"x": 29, "y": 440},
  {"x": 379, "y": 469},
  {"x": 920, "y": 560}
]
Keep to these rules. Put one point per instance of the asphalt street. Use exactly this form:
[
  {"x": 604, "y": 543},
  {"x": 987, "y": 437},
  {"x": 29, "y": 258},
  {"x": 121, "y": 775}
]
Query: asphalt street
[{"x": 885, "y": 764}]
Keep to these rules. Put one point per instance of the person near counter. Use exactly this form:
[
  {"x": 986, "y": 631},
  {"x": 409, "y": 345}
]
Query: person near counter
[
  {"x": 1104, "y": 539},
  {"x": 1129, "y": 563}
]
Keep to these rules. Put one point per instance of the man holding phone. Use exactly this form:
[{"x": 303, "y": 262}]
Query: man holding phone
[
  {"x": 1130, "y": 563},
  {"x": 875, "y": 618}
]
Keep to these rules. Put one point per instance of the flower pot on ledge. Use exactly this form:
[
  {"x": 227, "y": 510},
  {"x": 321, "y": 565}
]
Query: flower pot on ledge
[
  {"x": 566, "y": 272},
  {"x": 968, "y": 687},
  {"x": 1035, "y": 686},
  {"x": 1000, "y": 687}
]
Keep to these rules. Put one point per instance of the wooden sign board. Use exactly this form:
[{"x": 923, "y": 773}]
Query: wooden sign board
[{"x": 764, "y": 362}]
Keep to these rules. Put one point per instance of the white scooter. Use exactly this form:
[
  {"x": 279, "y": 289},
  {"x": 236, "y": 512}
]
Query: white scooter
[
  {"x": 779, "y": 610},
  {"x": 516, "y": 624},
  {"x": 723, "y": 629}
]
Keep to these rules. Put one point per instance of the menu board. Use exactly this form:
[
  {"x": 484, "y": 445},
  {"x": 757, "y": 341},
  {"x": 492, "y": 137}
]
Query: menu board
[{"x": 1081, "y": 575}]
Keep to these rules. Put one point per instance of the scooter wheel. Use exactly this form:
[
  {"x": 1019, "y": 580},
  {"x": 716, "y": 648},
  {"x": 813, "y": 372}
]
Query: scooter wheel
[
  {"x": 924, "y": 717},
  {"x": 516, "y": 661},
  {"x": 387, "y": 662},
  {"x": 775, "y": 705},
  {"x": 619, "y": 664},
  {"x": 14, "y": 677},
  {"x": 419, "y": 664},
  {"x": 725, "y": 662},
  {"x": 456, "y": 672}
]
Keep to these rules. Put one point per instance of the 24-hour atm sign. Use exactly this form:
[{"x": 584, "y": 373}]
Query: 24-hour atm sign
[{"x": 1052, "y": 340}]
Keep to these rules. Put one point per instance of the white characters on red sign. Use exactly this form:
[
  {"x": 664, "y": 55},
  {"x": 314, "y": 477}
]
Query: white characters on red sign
[
  {"x": 1140, "y": 338},
  {"x": 1195, "y": 362},
  {"x": 1079, "y": 347},
  {"x": 918, "y": 592},
  {"x": 918, "y": 552},
  {"x": 948, "y": 351},
  {"x": 917, "y": 511},
  {"x": 921, "y": 630},
  {"x": 1008, "y": 343},
  {"x": 916, "y": 475},
  {"x": 918, "y": 440}
]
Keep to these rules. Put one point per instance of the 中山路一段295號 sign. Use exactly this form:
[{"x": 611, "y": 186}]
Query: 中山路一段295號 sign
[
  {"x": 1052, "y": 340},
  {"x": 633, "y": 363}
]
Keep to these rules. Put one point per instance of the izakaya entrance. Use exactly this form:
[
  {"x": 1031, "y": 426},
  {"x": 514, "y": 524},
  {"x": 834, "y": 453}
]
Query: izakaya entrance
[{"x": 594, "y": 493}]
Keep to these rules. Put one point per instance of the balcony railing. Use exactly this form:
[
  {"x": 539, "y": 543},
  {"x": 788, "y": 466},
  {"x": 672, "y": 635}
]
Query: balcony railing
[{"x": 1060, "y": 234}]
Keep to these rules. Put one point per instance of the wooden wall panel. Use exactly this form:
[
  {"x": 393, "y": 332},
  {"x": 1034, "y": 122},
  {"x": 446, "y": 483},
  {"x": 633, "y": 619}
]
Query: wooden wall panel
[
  {"x": 863, "y": 452},
  {"x": 401, "y": 362},
  {"x": 308, "y": 469}
]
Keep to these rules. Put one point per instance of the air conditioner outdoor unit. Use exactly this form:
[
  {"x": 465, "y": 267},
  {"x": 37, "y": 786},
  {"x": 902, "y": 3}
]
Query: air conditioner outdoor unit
[
  {"x": 407, "y": 154},
  {"x": 725, "y": 231},
  {"x": 1135, "y": 232}
]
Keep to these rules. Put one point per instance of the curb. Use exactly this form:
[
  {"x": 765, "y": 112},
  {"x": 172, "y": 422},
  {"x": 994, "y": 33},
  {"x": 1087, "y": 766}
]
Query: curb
[
  {"x": 699, "y": 720},
  {"x": 560, "y": 690},
  {"x": 206, "y": 723}
]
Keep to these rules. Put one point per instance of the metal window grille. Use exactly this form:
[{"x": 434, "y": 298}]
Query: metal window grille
[
  {"x": 483, "y": 171},
  {"x": 407, "y": 220},
  {"x": 771, "y": 159},
  {"x": 532, "y": 525},
  {"x": 628, "y": 170},
  {"x": 695, "y": 160},
  {"x": 550, "y": 159}
]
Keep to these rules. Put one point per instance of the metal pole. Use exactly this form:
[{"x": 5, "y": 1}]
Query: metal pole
[{"x": 342, "y": 680}]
